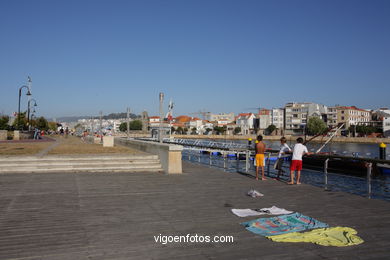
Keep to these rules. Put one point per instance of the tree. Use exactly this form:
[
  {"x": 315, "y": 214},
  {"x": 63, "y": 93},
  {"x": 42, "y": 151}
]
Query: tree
[
  {"x": 123, "y": 127},
  {"x": 270, "y": 129},
  {"x": 179, "y": 130},
  {"x": 53, "y": 126},
  {"x": 365, "y": 130},
  {"x": 136, "y": 125},
  {"x": 185, "y": 130},
  {"x": 208, "y": 130},
  {"x": 237, "y": 130},
  {"x": 4, "y": 123},
  {"x": 219, "y": 130},
  {"x": 316, "y": 126},
  {"x": 42, "y": 123},
  {"x": 20, "y": 122},
  {"x": 193, "y": 131}
]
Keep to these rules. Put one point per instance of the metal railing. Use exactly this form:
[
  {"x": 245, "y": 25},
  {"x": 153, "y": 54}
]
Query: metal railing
[{"x": 242, "y": 162}]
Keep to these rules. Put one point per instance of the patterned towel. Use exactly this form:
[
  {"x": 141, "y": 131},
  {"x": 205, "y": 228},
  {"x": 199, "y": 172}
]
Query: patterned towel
[{"x": 283, "y": 224}]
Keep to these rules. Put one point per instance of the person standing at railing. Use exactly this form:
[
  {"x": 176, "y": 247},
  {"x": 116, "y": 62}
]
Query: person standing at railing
[
  {"x": 284, "y": 148},
  {"x": 296, "y": 162},
  {"x": 260, "y": 149}
]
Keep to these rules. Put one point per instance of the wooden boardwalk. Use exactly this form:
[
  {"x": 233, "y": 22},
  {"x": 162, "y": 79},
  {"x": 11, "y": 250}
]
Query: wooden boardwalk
[{"x": 116, "y": 216}]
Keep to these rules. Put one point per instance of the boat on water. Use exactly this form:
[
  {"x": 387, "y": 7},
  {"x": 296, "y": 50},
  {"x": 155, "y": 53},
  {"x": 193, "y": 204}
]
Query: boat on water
[{"x": 356, "y": 166}]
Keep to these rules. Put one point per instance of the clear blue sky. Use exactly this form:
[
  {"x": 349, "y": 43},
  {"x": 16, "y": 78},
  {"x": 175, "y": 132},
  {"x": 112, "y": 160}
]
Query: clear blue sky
[{"x": 220, "y": 56}]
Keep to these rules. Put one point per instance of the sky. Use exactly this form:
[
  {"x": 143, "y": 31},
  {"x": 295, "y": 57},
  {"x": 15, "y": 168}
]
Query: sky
[{"x": 87, "y": 56}]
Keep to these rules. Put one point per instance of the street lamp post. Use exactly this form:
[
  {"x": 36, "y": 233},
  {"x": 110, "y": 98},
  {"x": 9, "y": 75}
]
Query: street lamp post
[
  {"x": 28, "y": 110},
  {"x": 20, "y": 94},
  {"x": 161, "y": 97}
]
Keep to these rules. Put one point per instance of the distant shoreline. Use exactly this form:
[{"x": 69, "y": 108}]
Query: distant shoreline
[{"x": 367, "y": 140}]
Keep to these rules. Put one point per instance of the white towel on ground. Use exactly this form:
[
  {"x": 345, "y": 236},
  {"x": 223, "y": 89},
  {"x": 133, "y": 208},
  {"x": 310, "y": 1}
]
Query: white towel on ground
[{"x": 250, "y": 212}]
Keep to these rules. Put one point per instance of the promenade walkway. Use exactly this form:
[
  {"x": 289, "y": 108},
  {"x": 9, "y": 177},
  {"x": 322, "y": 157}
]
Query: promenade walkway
[{"x": 116, "y": 216}]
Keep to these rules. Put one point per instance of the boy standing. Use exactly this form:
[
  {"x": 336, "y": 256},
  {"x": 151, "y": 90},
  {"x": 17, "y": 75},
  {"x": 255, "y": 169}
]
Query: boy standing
[
  {"x": 260, "y": 149},
  {"x": 296, "y": 162},
  {"x": 284, "y": 148}
]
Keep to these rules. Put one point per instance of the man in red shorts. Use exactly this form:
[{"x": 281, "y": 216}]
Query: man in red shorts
[{"x": 296, "y": 162}]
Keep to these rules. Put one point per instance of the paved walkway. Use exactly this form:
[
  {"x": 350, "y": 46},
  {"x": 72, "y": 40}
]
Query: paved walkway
[{"x": 115, "y": 216}]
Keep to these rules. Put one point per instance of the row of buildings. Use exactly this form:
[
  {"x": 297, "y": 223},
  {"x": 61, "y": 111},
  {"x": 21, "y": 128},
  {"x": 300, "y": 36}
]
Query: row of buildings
[{"x": 289, "y": 120}]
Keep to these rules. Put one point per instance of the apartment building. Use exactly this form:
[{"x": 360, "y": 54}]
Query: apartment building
[
  {"x": 264, "y": 119},
  {"x": 382, "y": 118},
  {"x": 332, "y": 117},
  {"x": 297, "y": 114},
  {"x": 277, "y": 118},
  {"x": 351, "y": 115}
]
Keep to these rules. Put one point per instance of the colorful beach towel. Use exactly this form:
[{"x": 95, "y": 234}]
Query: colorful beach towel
[
  {"x": 336, "y": 236},
  {"x": 257, "y": 212},
  {"x": 283, "y": 224}
]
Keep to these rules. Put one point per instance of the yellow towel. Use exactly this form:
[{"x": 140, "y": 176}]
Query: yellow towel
[{"x": 335, "y": 236}]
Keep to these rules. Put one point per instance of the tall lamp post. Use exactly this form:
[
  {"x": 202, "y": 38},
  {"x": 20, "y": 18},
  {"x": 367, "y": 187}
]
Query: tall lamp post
[
  {"x": 161, "y": 97},
  {"x": 28, "y": 110},
  {"x": 20, "y": 94}
]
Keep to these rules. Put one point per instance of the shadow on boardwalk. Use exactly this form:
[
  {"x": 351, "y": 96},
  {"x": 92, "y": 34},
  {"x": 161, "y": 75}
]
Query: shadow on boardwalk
[{"x": 116, "y": 216}]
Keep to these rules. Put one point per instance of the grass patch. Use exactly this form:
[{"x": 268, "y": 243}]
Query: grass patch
[
  {"x": 22, "y": 148},
  {"x": 74, "y": 145}
]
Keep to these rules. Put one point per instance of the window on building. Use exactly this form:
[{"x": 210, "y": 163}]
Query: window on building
[
  {"x": 342, "y": 111},
  {"x": 295, "y": 115},
  {"x": 342, "y": 118}
]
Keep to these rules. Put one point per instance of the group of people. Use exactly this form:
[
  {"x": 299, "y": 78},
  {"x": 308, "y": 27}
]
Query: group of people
[{"x": 298, "y": 152}]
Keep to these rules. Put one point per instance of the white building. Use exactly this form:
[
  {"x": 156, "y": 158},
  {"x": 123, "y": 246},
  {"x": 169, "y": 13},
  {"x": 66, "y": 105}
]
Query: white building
[
  {"x": 297, "y": 114},
  {"x": 197, "y": 124},
  {"x": 229, "y": 117},
  {"x": 277, "y": 118},
  {"x": 383, "y": 116},
  {"x": 246, "y": 122}
]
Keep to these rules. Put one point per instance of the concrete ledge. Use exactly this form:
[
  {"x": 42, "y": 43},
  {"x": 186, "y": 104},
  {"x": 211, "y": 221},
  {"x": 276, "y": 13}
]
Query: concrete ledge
[
  {"x": 3, "y": 135},
  {"x": 170, "y": 155},
  {"x": 108, "y": 141}
]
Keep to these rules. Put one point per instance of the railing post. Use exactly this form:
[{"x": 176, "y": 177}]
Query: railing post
[
  {"x": 224, "y": 160},
  {"x": 210, "y": 157},
  {"x": 238, "y": 161},
  {"x": 246, "y": 161},
  {"x": 200, "y": 155},
  {"x": 369, "y": 169},
  {"x": 268, "y": 163},
  {"x": 326, "y": 173}
]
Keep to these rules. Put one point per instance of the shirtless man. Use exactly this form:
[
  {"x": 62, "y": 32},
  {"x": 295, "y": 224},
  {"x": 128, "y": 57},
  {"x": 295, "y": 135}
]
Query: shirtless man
[{"x": 260, "y": 149}]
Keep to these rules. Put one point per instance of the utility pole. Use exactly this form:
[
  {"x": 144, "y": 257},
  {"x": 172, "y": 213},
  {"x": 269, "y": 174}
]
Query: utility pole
[
  {"x": 128, "y": 123},
  {"x": 101, "y": 123},
  {"x": 92, "y": 126},
  {"x": 161, "y": 116}
]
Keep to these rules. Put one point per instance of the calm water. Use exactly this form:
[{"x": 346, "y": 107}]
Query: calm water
[
  {"x": 336, "y": 182},
  {"x": 347, "y": 149}
]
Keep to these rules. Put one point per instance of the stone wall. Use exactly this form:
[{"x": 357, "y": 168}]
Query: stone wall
[
  {"x": 3, "y": 135},
  {"x": 170, "y": 155}
]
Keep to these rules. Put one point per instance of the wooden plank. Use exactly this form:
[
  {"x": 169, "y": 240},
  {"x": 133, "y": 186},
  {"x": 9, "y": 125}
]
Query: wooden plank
[{"x": 116, "y": 216}]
